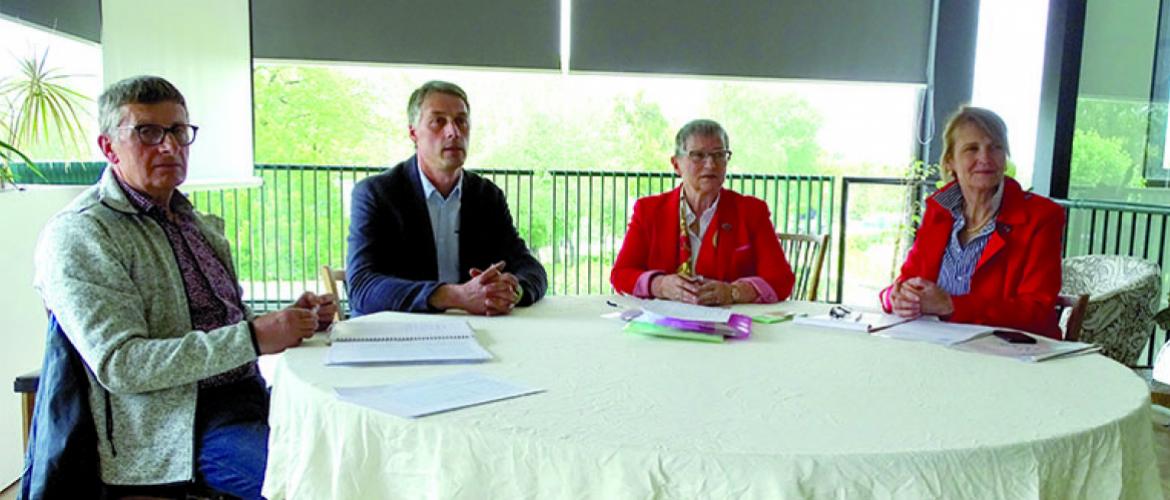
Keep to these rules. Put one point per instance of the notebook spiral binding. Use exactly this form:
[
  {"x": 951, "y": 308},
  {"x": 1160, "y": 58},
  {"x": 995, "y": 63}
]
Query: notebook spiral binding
[{"x": 398, "y": 339}]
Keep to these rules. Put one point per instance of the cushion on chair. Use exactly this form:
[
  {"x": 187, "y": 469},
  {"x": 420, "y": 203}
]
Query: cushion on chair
[{"x": 1123, "y": 297}]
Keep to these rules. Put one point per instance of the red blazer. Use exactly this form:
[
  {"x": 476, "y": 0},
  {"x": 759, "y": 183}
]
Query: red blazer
[
  {"x": 1017, "y": 279},
  {"x": 740, "y": 242}
]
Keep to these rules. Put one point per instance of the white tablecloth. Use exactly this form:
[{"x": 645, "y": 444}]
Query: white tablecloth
[{"x": 793, "y": 412}]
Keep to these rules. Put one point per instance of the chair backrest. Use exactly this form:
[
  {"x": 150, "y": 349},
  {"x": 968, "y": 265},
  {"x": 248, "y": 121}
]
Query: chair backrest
[
  {"x": 806, "y": 255},
  {"x": 1076, "y": 304},
  {"x": 329, "y": 279}
]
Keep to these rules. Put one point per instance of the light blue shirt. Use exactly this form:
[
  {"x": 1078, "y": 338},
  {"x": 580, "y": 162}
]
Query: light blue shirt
[
  {"x": 959, "y": 261},
  {"x": 444, "y": 213}
]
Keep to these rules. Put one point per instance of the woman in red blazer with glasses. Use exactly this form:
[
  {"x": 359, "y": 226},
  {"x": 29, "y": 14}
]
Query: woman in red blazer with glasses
[
  {"x": 700, "y": 243},
  {"x": 987, "y": 252}
]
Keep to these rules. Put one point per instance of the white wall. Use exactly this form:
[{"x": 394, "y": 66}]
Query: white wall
[{"x": 22, "y": 214}]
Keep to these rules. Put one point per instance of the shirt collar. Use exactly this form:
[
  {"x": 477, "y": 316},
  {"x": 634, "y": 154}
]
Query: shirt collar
[
  {"x": 690, "y": 214},
  {"x": 145, "y": 204},
  {"x": 429, "y": 188},
  {"x": 951, "y": 198}
]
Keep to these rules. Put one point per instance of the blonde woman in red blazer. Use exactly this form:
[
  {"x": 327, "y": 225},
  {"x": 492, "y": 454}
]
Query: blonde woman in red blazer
[
  {"x": 987, "y": 252},
  {"x": 738, "y": 258}
]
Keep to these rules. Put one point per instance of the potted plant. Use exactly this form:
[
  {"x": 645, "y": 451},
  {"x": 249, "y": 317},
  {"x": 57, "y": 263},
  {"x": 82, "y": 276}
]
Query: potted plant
[{"x": 919, "y": 178}]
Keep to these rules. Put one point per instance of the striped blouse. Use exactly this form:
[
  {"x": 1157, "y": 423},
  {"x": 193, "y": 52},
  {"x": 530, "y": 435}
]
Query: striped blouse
[{"x": 959, "y": 261}]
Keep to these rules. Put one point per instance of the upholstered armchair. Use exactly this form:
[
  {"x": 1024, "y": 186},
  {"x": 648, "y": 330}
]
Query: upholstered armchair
[{"x": 1123, "y": 298}]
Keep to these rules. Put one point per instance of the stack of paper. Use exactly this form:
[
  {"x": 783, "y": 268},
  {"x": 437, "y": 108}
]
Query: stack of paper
[
  {"x": 373, "y": 341},
  {"x": 662, "y": 318},
  {"x": 1044, "y": 348}
]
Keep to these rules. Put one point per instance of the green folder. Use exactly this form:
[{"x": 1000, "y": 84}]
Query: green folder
[
  {"x": 773, "y": 317},
  {"x": 649, "y": 329}
]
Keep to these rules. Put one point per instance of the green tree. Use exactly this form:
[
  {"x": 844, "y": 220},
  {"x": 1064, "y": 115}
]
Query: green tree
[
  {"x": 636, "y": 137},
  {"x": 769, "y": 133},
  {"x": 315, "y": 115},
  {"x": 1110, "y": 145}
]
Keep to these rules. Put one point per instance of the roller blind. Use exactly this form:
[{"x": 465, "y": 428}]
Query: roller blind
[
  {"x": 501, "y": 33},
  {"x": 861, "y": 40},
  {"x": 76, "y": 17}
]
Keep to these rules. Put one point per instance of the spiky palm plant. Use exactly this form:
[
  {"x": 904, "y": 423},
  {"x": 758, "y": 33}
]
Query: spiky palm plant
[
  {"x": 7, "y": 153},
  {"x": 39, "y": 106},
  {"x": 40, "y": 103}
]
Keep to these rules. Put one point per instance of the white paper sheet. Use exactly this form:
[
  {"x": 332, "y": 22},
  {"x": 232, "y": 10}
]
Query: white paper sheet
[
  {"x": 1044, "y": 348},
  {"x": 434, "y": 395},
  {"x": 930, "y": 329},
  {"x": 688, "y": 312},
  {"x": 376, "y": 330},
  {"x": 856, "y": 321},
  {"x": 374, "y": 342}
]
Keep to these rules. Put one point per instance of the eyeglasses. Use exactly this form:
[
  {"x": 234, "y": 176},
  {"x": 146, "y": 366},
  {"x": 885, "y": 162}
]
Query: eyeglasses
[
  {"x": 840, "y": 312},
  {"x": 722, "y": 156},
  {"x": 153, "y": 135}
]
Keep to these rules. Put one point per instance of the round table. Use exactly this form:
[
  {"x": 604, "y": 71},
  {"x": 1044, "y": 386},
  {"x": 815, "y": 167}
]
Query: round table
[{"x": 792, "y": 412}]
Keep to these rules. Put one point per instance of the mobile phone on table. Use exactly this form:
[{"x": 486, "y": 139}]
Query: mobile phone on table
[{"x": 1014, "y": 337}]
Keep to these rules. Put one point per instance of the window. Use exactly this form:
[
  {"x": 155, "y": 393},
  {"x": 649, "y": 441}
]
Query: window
[{"x": 76, "y": 62}]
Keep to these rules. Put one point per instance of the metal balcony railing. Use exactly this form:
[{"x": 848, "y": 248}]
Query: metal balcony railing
[{"x": 574, "y": 220}]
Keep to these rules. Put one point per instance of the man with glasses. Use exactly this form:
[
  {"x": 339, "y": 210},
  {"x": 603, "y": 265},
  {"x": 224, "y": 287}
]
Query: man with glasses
[
  {"x": 143, "y": 287},
  {"x": 427, "y": 235},
  {"x": 700, "y": 243}
]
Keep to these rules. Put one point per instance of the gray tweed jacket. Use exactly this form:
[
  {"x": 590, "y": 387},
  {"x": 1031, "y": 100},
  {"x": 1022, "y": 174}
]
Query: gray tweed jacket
[{"x": 110, "y": 276}]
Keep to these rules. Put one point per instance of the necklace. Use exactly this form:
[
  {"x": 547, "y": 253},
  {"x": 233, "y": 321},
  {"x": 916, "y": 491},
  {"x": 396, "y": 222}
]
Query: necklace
[{"x": 975, "y": 228}]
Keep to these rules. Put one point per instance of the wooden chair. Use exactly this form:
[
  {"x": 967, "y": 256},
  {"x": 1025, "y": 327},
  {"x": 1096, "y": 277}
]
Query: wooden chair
[
  {"x": 26, "y": 386},
  {"x": 1076, "y": 305},
  {"x": 806, "y": 255},
  {"x": 329, "y": 279}
]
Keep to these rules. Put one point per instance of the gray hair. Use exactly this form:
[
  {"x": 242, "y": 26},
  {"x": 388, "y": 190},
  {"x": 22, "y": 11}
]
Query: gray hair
[
  {"x": 702, "y": 127},
  {"x": 414, "y": 107},
  {"x": 143, "y": 89}
]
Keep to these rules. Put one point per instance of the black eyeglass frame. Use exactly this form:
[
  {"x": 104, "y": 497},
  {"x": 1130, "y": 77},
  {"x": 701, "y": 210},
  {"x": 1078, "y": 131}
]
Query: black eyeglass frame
[{"x": 163, "y": 131}]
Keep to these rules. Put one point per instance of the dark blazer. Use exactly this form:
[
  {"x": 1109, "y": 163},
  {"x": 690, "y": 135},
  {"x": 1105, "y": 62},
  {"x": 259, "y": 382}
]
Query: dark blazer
[
  {"x": 1018, "y": 275},
  {"x": 391, "y": 264}
]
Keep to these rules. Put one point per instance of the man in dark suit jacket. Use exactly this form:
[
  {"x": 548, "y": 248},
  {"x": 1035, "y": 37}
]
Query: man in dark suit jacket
[{"x": 427, "y": 236}]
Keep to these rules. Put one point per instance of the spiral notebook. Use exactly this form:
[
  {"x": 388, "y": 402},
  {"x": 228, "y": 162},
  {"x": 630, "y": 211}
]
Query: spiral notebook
[{"x": 369, "y": 341}]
